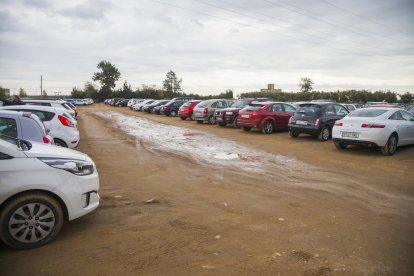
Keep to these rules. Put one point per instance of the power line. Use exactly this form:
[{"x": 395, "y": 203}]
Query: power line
[
  {"x": 364, "y": 18},
  {"x": 362, "y": 52}
]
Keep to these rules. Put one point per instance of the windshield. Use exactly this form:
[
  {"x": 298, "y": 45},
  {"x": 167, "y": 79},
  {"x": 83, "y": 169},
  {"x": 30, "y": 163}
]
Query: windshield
[
  {"x": 309, "y": 108},
  {"x": 371, "y": 112},
  {"x": 240, "y": 103}
]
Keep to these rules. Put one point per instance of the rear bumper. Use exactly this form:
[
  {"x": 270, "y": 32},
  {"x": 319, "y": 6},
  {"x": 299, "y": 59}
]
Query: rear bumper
[
  {"x": 312, "y": 130},
  {"x": 184, "y": 114},
  {"x": 355, "y": 142},
  {"x": 249, "y": 123}
]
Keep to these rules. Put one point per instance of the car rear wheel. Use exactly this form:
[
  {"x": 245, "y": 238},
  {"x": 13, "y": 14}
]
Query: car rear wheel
[
  {"x": 246, "y": 128},
  {"x": 60, "y": 143},
  {"x": 391, "y": 146},
  {"x": 211, "y": 120},
  {"x": 235, "y": 125},
  {"x": 324, "y": 134},
  {"x": 268, "y": 127},
  {"x": 200, "y": 122},
  {"x": 30, "y": 220},
  {"x": 340, "y": 146},
  {"x": 293, "y": 134},
  {"x": 173, "y": 113},
  {"x": 192, "y": 117},
  {"x": 222, "y": 124}
]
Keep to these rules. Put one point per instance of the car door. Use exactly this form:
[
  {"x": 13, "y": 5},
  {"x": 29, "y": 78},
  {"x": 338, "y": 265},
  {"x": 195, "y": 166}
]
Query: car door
[
  {"x": 277, "y": 112},
  {"x": 329, "y": 116},
  {"x": 407, "y": 127}
]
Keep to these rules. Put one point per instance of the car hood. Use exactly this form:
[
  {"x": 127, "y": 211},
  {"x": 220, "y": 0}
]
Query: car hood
[{"x": 42, "y": 150}]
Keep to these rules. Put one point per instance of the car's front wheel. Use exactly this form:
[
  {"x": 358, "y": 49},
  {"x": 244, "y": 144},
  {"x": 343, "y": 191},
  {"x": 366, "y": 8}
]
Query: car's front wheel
[
  {"x": 391, "y": 146},
  {"x": 211, "y": 120},
  {"x": 30, "y": 220},
  {"x": 173, "y": 113}
]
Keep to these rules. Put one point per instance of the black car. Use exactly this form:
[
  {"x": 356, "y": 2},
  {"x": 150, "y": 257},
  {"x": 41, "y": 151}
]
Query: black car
[
  {"x": 316, "y": 119},
  {"x": 115, "y": 101},
  {"x": 171, "y": 108},
  {"x": 149, "y": 108},
  {"x": 122, "y": 103}
]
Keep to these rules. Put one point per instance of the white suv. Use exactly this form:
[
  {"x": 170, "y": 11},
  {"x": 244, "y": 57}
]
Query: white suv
[
  {"x": 40, "y": 187},
  {"x": 61, "y": 126}
]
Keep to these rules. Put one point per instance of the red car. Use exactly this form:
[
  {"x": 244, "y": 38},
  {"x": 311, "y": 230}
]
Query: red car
[
  {"x": 186, "y": 110},
  {"x": 266, "y": 116}
]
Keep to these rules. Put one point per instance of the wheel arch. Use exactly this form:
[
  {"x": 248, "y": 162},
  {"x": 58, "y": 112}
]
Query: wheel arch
[
  {"x": 49, "y": 193},
  {"x": 60, "y": 140},
  {"x": 268, "y": 118}
]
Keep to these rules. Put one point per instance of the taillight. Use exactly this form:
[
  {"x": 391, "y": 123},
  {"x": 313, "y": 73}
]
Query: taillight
[
  {"x": 205, "y": 110},
  {"x": 372, "y": 126},
  {"x": 165, "y": 107},
  {"x": 65, "y": 121},
  {"x": 317, "y": 122},
  {"x": 253, "y": 116},
  {"x": 339, "y": 124},
  {"x": 46, "y": 140}
]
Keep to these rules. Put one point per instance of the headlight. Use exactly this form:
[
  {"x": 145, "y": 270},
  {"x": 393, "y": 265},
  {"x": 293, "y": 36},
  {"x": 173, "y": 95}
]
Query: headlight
[{"x": 74, "y": 166}]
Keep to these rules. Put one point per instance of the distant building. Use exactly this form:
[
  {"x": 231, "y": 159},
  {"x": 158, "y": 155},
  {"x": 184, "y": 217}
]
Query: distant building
[
  {"x": 6, "y": 92},
  {"x": 271, "y": 88}
]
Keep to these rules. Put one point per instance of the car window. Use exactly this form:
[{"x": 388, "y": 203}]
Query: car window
[
  {"x": 309, "y": 108},
  {"x": 44, "y": 116},
  {"x": 289, "y": 108},
  {"x": 396, "y": 116},
  {"x": 8, "y": 127},
  {"x": 214, "y": 105},
  {"x": 329, "y": 111},
  {"x": 407, "y": 116},
  {"x": 340, "y": 110},
  {"x": 350, "y": 107},
  {"x": 275, "y": 108}
]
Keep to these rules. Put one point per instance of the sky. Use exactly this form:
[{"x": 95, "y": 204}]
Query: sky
[{"x": 213, "y": 45}]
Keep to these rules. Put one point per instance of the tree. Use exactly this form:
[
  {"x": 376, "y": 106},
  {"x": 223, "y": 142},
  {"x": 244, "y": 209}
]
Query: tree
[
  {"x": 108, "y": 75},
  {"x": 22, "y": 93},
  {"x": 89, "y": 90},
  {"x": 172, "y": 85},
  {"x": 44, "y": 94},
  {"x": 407, "y": 98},
  {"x": 2, "y": 92},
  {"x": 305, "y": 84}
]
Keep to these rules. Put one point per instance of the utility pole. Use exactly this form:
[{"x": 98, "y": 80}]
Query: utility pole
[{"x": 41, "y": 86}]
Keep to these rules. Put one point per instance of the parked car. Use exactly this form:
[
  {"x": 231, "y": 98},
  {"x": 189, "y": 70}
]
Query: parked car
[
  {"x": 122, "y": 103},
  {"x": 411, "y": 109},
  {"x": 40, "y": 187},
  {"x": 375, "y": 103},
  {"x": 204, "y": 111},
  {"x": 171, "y": 107},
  {"x": 229, "y": 115},
  {"x": 60, "y": 125},
  {"x": 387, "y": 128},
  {"x": 149, "y": 108},
  {"x": 186, "y": 110},
  {"x": 316, "y": 119},
  {"x": 352, "y": 107},
  {"x": 58, "y": 104},
  {"x": 138, "y": 106},
  {"x": 73, "y": 107},
  {"x": 23, "y": 125},
  {"x": 266, "y": 116}
]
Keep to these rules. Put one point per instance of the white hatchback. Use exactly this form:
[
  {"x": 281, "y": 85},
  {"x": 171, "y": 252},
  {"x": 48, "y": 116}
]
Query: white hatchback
[
  {"x": 61, "y": 126},
  {"x": 384, "y": 127},
  {"x": 40, "y": 187}
]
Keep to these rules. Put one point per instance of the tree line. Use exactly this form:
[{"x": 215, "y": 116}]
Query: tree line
[{"x": 108, "y": 75}]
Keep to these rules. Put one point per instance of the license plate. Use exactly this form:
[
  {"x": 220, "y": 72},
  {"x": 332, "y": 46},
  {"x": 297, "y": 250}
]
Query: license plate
[
  {"x": 229, "y": 113},
  {"x": 198, "y": 112},
  {"x": 303, "y": 123},
  {"x": 245, "y": 116},
  {"x": 349, "y": 134}
]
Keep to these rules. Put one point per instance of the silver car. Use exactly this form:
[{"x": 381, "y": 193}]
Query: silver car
[{"x": 204, "y": 111}]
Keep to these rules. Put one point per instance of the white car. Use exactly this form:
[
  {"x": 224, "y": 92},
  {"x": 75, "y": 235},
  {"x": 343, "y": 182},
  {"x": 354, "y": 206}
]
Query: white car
[
  {"x": 61, "y": 126},
  {"x": 40, "y": 187},
  {"x": 138, "y": 106},
  {"x": 384, "y": 127},
  {"x": 57, "y": 104}
]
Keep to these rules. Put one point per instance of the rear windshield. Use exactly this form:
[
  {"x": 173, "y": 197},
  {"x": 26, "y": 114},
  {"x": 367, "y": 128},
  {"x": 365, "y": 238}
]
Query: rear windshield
[
  {"x": 240, "y": 103},
  {"x": 371, "y": 112},
  {"x": 187, "y": 104},
  {"x": 252, "y": 107},
  {"x": 309, "y": 108},
  {"x": 203, "y": 104}
]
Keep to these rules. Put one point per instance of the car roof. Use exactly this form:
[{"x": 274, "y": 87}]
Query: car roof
[
  {"x": 14, "y": 113},
  {"x": 35, "y": 107},
  {"x": 39, "y": 101}
]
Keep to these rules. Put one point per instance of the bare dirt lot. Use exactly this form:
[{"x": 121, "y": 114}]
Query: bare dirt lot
[{"x": 268, "y": 205}]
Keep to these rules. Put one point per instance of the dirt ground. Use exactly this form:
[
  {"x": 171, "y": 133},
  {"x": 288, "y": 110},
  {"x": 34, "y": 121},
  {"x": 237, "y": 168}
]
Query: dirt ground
[{"x": 338, "y": 213}]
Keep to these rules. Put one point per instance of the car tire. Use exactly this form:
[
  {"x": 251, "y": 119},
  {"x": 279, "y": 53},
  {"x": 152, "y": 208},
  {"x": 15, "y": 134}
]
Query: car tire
[
  {"x": 247, "y": 128},
  {"x": 235, "y": 125},
  {"x": 391, "y": 146},
  {"x": 324, "y": 134},
  {"x": 222, "y": 124},
  {"x": 200, "y": 122},
  {"x": 173, "y": 113},
  {"x": 211, "y": 120},
  {"x": 293, "y": 134},
  {"x": 60, "y": 143},
  {"x": 340, "y": 146},
  {"x": 182, "y": 118},
  {"x": 268, "y": 127},
  {"x": 192, "y": 117},
  {"x": 49, "y": 220}
]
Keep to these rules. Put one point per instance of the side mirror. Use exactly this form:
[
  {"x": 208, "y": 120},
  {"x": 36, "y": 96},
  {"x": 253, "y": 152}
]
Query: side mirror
[{"x": 23, "y": 144}]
